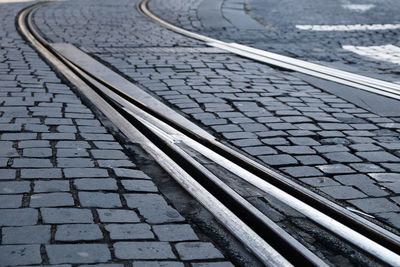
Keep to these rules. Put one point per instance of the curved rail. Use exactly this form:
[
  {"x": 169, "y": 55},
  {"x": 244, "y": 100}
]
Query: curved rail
[
  {"x": 365, "y": 83},
  {"x": 378, "y": 241}
]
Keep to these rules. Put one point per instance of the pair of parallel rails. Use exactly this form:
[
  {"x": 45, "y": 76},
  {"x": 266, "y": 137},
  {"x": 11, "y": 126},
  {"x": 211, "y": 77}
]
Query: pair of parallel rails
[{"x": 176, "y": 144}]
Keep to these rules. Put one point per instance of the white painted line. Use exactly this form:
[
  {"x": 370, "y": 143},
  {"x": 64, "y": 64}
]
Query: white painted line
[
  {"x": 389, "y": 53},
  {"x": 356, "y": 27},
  {"x": 358, "y": 8}
]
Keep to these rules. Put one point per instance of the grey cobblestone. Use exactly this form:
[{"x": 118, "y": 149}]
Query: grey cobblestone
[
  {"x": 99, "y": 199},
  {"x": 143, "y": 250},
  {"x": 78, "y": 253},
  {"x": 129, "y": 231},
  {"x": 38, "y": 234},
  {"x": 66, "y": 215},
  {"x": 20, "y": 255},
  {"x": 51, "y": 200},
  {"x": 197, "y": 250},
  {"x": 78, "y": 232},
  {"x": 118, "y": 216}
]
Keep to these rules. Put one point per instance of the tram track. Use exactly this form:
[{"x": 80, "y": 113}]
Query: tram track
[{"x": 169, "y": 139}]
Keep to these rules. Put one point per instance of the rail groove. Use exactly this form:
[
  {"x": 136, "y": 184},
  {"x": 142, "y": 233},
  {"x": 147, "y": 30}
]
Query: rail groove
[{"x": 164, "y": 139}]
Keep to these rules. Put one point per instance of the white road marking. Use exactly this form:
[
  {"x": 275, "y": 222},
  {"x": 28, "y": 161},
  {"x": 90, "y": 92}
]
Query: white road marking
[
  {"x": 358, "y": 8},
  {"x": 389, "y": 53},
  {"x": 356, "y": 27}
]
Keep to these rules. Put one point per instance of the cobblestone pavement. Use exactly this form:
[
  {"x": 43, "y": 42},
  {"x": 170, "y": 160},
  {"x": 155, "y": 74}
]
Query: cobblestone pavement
[
  {"x": 68, "y": 192},
  {"x": 320, "y": 140},
  {"x": 271, "y": 25}
]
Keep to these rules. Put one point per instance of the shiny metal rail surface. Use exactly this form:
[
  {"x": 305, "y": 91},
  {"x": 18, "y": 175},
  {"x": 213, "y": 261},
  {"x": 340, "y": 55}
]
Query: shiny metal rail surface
[
  {"x": 172, "y": 136},
  {"x": 365, "y": 83}
]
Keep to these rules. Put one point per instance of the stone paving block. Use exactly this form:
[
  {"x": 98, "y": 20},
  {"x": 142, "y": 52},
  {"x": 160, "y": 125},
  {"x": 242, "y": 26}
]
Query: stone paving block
[
  {"x": 66, "y": 215},
  {"x": 32, "y": 163},
  {"x": 335, "y": 169},
  {"x": 39, "y": 128},
  {"x": 275, "y": 141},
  {"x": 238, "y": 135},
  {"x": 51, "y": 200},
  {"x": 311, "y": 160},
  {"x": 117, "y": 216},
  {"x": 157, "y": 264},
  {"x": 342, "y": 192},
  {"x": 143, "y": 250},
  {"x": 260, "y": 150},
  {"x": 37, "y": 234},
  {"x": 72, "y": 153},
  {"x": 377, "y": 156},
  {"x": 197, "y": 251},
  {"x": 18, "y": 136},
  {"x": 78, "y": 253},
  {"x": 139, "y": 185},
  {"x": 296, "y": 150},
  {"x": 107, "y": 145},
  {"x": 115, "y": 163},
  {"x": 129, "y": 173},
  {"x": 85, "y": 172},
  {"x": 91, "y": 129},
  {"x": 58, "y": 136},
  {"x": 10, "y": 201},
  {"x": 302, "y": 171},
  {"x": 375, "y": 205},
  {"x": 319, "y": 181},
  {"x": 51, "y": 121},
  {"x": 96, "y": 184},
  {"x": 341, "y": 157},
  {"x": 73, "y": 144},
  {"x": 78, "y": 232},
  {"x": 75, "y": 162},
  {"x": 33, "y": 143},
  {"x": 12, "y": 255},
  {"x": 246, "y": 142},
  {"x": 41, "y": 173},
  {"x": 278, "y": 160},
  {"x": 366, "y": 167},
  {"x": 303, "y": 141},
  {"x": 67, "y": 129},
  {"x": 330, "y": 148},
  {"x": 365, "y": 147},
  {"x": 108, "y": 154},
  {"x": 18, "y": 217},
  {"x": 175, "y": 232},
  {"x": 385, "y": 177},
  {"x": 97, "y": 137},
  {"x": 129, "y": 231},
  {"x": 99, "y": 199},
  {"x": 7, "y": 174},
  {"x": 153, "y": 208},
  {"x": 37, "y": 152},
  {"x": 14, "y": 187}
]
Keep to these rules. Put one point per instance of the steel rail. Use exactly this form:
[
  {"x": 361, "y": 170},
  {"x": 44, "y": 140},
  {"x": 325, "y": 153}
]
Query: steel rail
[
  {"x": 365, "y": 83},
  {"x": 348, "y": 218},
  {"x": 381, "y": 252}
]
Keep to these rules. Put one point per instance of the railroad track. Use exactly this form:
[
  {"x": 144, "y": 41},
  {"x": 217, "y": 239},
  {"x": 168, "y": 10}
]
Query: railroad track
[{"x": 180, "y": 146}]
